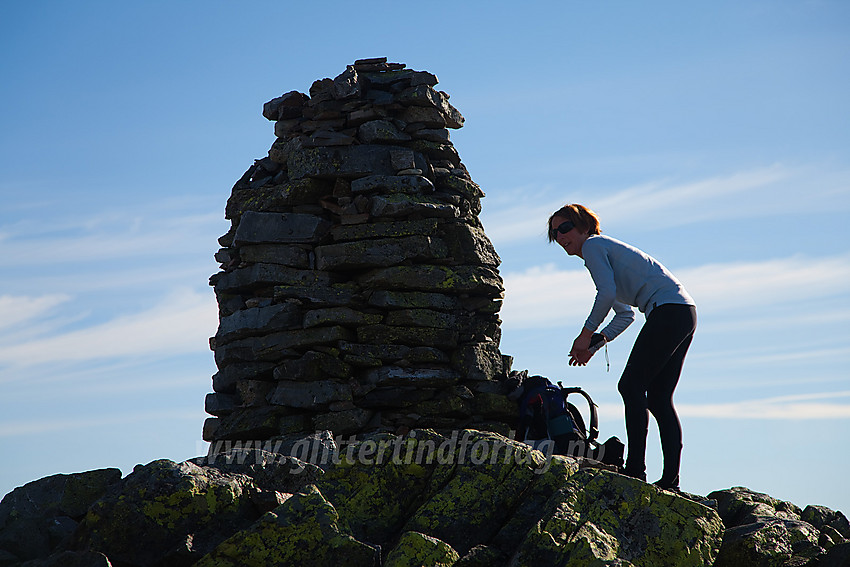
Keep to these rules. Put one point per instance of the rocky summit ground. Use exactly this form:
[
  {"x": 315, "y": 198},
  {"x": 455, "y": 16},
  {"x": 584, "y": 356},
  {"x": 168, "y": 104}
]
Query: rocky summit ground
[{"x": 470, "y": 499}]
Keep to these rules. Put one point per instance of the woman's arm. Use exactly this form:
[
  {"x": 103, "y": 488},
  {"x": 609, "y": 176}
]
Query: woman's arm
[
  {"x": 624, "y": 316},
  {"x": 597, "y": 263}
]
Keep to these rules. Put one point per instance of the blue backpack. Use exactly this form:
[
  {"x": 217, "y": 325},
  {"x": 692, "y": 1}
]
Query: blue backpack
[{"x": 546, "y": 413}]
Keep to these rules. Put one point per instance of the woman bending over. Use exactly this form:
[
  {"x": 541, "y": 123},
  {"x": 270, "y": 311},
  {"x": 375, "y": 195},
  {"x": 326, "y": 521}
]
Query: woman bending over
[{"x": 626, "y": 277}]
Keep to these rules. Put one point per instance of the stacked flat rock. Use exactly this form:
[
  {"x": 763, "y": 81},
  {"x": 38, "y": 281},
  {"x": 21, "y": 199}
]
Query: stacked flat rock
[{"x": 358, "y": 291}]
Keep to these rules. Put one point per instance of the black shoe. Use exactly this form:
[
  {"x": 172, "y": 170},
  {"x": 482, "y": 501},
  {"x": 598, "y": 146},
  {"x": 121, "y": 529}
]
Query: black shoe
[
  {"x": 639, "y": 476},
  {"x": 671, "y": 485}
]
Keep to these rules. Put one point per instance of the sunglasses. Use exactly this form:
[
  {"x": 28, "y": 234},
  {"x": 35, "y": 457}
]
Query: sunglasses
[{"x": 563, "y": 228}]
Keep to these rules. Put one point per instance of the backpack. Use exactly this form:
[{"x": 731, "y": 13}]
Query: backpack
[{"x": 546, "y": 413}]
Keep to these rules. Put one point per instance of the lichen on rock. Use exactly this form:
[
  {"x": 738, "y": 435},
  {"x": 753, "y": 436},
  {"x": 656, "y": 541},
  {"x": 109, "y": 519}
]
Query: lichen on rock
[
  {"x": 472, "y": 498},
  {"x": 304, "y": 530}
]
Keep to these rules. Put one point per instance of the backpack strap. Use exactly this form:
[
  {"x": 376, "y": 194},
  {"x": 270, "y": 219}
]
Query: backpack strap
[{"x": 593, "y": 432}]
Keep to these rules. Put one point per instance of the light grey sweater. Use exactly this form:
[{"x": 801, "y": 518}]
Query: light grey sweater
[{"x": 626, "y": 277}]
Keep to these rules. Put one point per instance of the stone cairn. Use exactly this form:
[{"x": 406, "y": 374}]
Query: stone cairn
[{"x": 358, "y": 291}]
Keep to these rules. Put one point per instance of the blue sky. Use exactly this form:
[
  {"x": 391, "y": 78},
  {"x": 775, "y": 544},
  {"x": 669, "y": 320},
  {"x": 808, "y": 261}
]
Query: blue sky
[{"x": 715, "y": 137}]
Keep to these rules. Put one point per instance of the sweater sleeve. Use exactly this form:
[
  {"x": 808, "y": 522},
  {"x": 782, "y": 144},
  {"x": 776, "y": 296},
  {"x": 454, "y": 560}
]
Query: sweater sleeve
[
  {"x": 597, "y": 262},
  {"x": 624, "y": 316}
]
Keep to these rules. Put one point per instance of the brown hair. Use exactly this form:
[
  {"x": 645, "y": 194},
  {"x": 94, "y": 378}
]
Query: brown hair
[{"x": 584, "y": 219}]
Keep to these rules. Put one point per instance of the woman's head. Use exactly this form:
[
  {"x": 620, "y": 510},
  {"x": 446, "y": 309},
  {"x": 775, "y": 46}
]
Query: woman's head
[{"x": 583, "y": 219}]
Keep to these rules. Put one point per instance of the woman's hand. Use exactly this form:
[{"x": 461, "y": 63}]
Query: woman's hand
[{"x": 579, "y": 354}]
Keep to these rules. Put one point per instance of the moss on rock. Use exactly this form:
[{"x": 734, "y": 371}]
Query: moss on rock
[
  {"x": 422, "y": 550},
  {"x": 303, "y": 531},
  {"x": 377, "y": 486},
  {"x": 471, "y": 498},
  {"x": 165, "y": 509},
  {"x": 493, "y": 466},
  {"x": 600, "y": 516}
]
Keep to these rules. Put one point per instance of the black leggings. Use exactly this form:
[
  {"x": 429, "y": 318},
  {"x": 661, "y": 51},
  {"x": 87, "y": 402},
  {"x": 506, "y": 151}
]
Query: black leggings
[{"x": 647, "y": 385}]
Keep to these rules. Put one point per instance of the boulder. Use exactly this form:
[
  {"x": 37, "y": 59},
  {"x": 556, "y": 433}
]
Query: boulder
[
  {"x": 256, "y": 423},
  {"x": 167, "y": 512},
  {"x": 380, "y": 131},
  {"x": 417, "y": 377},
  {"x": 312, "y": 365},
  {"x": 413, "y": 300},
  {"x": 762, "y": 530},
  {"x": 414, "y": 548},
  {"x": 402, "y": 205},
  {"x": 346, "y": 84},
  {"x": 275, "y": 198},
  {"x": 42, "y": 515},
  {"x": 602, "y": 517},
  {"x": 347, "y": 162},
  {"x": 287, "y": 255},
  {"x": 379, "y": 252},
  {"x": 822, "y": 517},
  {"x": 769, "y": 543},
  {"x": 411, "y": 336},
  {"x": 343, "y": 422},
  {"x": 479, "y": 361},
  {"x": 393, "y": 184},
  {"x": 309, "y": 394},
  {"x": 284, "y": 105},
  {"x": 304, "y": 530},
  {"x": 257, "y": 321},
  {"x": 380, "y": 230},
  {"x": 259, "y": 227},
  {"x": 340, "y": 316},
  {"x": 263, "y": 276},
  {"x": 275, "y": 346},
  {"x": 434, "y": 278},
  {"x": 421, "y": 318},
  {"x": 319, "y": 294},
  {"x": 739, "y": 506},
  {"x": 469, "y": 245}
]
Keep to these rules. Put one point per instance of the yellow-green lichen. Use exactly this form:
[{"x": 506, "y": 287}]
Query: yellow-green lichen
[
  {"x": 419, "y": 549},
  {"x": 302, "y": 531}
]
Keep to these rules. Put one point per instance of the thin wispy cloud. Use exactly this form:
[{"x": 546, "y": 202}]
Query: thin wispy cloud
[
  {"x": 753, "y": 193},
  {"x": 155, "y": 276},
  {"x": 16, "y": 310},
  {"x": 181, "y": 323},
  {"x": 77, "y": 270},
  {"x": 829, "y": 315},
  {"x": 545, "y": 296},
  {"x": 754, "y": 356},
  {"x": 115, "y": 236},
  {"x": 817, "y": 406},
  {"x": 681, "y": 203},
  {"x": 90, "y": 379},
  {"x": 820, "y": 406},
  {"x": 780, "y": 281},
  {"x": 30, "y": 427}
]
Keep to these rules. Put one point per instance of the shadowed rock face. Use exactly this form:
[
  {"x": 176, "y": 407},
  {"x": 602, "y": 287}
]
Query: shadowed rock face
[
  {"x": 356, "y": 271},
  {"x": 473, "y": 499}
]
